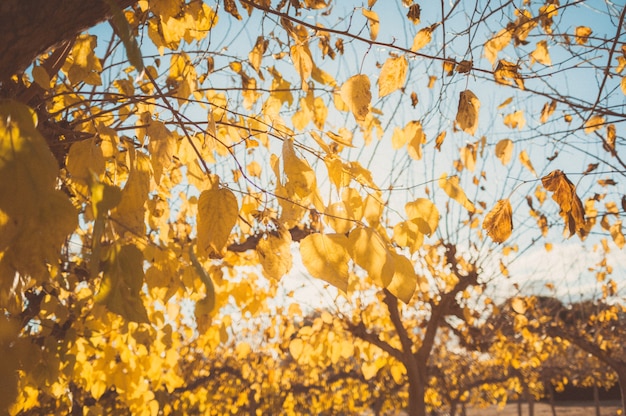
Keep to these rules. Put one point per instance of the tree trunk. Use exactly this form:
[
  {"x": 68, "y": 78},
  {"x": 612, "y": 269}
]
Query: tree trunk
[
  {"x": 551, "y": 397},
  {"x": 417, "y": 390},
  {"x": 596, "y": 399},
  {"x": 30, "y": 28},
  {"x": 621, "y": 378}
]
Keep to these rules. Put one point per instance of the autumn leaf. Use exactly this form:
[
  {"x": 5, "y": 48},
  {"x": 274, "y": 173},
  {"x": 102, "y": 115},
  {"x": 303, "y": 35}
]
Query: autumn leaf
[
  {"x": 504, "y": 150},
  {"x": 541, "y": 54},
  {"x": 217, "y": 215},
  {"x": 325, "y": 256},
  {"x": 564, "y": 194},
  {"x": 594, "y": 123},
  {"x": 423, "y": 37},
  {"x": 303, "y": 62},
  {"x": 467, "y": 113},
  {"x": 416, "y": 138},
  {"x": 355, "y": 92},
  {"x": 414, "y": 13},
  {"x": 582, "y": 34},
  {"x": 369, "y": 251},
  {"x": 506, "y": 71},
  {"x": 499, "y": 221},
  {"x": 404, "y": 280},
  {"x": 547, "y": 110},
  {"x": 373, "y": 22},
  {"x": 498, "y": 42},
  {"x": 525, "y": 160},
  {"x": 392, "y": 75},
  {"x": 452, "y": 188},
  {"x": 425, "y": 215},
  {"x": 515, "y": 120},
  {"x": 274, "y": 252},
  {"x": 122, "y": 280}
]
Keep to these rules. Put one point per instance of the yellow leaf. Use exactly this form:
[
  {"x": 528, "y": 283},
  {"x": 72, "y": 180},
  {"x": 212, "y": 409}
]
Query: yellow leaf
[
  {"x": 617, "y": 234},
  {"x": 415, "y": 136},
  {"x": 370, "y": 252},
  {"x": 82, "y": 65},
  {"x": 594, "y": 123},
  {"x": 468, "y": 156},
  {"x": 453, "y": 189},
  {"x": 439, "y": 140},
  {"x": 505, "y": 102},
  {"x": 564, "y": 193},
  {"x": 496, "y": 44},
  {"x": 130, "y": 212},
  {"x": 296, "y": 346},
  {"x": 623, "y": 85},
  {"x": 274, "y": 252},
  {"x": 303, "y": 62},
  {"x": 355, "y": 92},
  {"x": 467, "y": 113},
  {"x": 369, "y": 370},
  {"x": 540, "y": 54},
  {"x": 515, "y": 120},
  {"x": 84, "y": 160},
  {"x": 254, "y": 169},
  {"x": 431, "y": 81},
  {"x": 407, "y": 235},
  {"x": 326, "y": 257},
  {"x": 373, "y": 21},
  {"x": 424, "y": 213},
  {"x": 256, "y": 54},
  {"x": 499, "y": 221},
  {"x": 392, "y": 75},
  {"x": 423, "y": 38},
  {"x": 508, "y": 70},
  {"x": 404, "y": 280},
  {"x": 525, "y": 159},
  {"x": 217, "y": 215},
  {"x": 338, "y": 218},
  {"x": 231, "y": 8},
  {"x": 398, "y": 138},
  {"x": 301, "y": 177},
  {"x": 582, "y": 34},
  {"x": 344, "y": 137},
  {"x": 504, "y": 150},
  {"x": 122, "y": 280},
  {"x": 547, "y": 110},
  {"x": 35, "y": 217},
  {"x": 518, "y": 305}
]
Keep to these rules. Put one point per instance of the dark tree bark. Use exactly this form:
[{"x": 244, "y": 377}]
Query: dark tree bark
[{"x": 29, "y": 28}]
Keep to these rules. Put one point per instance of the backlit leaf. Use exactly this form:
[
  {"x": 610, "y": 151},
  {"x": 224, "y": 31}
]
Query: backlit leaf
[
  {"x": 541, "y": 54},
  {"x": 515, "y": 120},
  {"x": 303, "y": 62},
  {"x": 416, "y": 138},
  {"x": 373, "y": 22},
  {"x": 423, "y": 38},
  {"x": 467, "y": 113},
  {"x": 355, "y": 92},
  {"x": 369, "y": 251},
  {"x": 525, "y": 159},
  {"x": 404, "y": 280},
  {"x": 274, "y": 252},
  {"x": 424, "y": 213},
  {"x": 496, "y": 44},
  {"x": 453, "y": 190},
  {"x": 392, "y": 75},
  {"x": 325, "y": 256},
  {"x": 217, "y": 215},
  {"x": 564, "y": 193},
  {"x": 499, "y": 221},
  {"x": 582, "y": 34},
  {"x": 504, "y": 150},
  {"x": 594, "y": 123}
]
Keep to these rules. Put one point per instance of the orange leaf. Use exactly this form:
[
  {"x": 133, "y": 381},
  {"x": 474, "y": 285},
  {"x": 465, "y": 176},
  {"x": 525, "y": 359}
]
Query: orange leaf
[
  {"x": 467, "y": 114},
  {"x": 564, "y": 193},
  {"x": 499, "y": 221}
]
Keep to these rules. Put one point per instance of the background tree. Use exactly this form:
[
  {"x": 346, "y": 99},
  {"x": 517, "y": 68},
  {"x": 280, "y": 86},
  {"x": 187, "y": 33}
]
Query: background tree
[{"x": 180, "y": 163}]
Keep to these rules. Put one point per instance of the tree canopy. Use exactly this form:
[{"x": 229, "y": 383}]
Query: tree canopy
[{"x": 309, "y": 206}]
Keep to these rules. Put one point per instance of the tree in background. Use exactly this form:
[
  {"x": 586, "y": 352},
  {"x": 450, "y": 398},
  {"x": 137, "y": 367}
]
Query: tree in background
[{"x": 161, "y": 177}]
